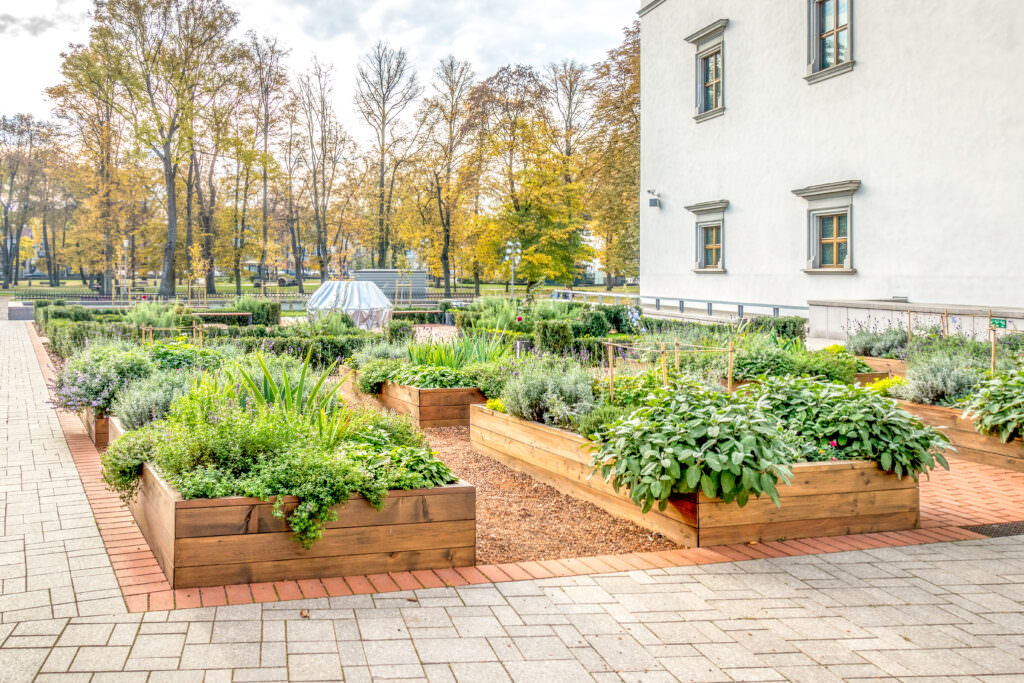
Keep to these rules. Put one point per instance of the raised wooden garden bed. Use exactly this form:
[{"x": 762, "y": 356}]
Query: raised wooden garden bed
[
  {"x": 969, "y": 444},
  {"x": 890, "y": 366},
  {"x": 97, "y": 427},
  {"x": 429, "y": 407},
  {"x": 825, "y": 499},
  {"x": 866, "y": 378},
  {"x": 212, "y": 542}
]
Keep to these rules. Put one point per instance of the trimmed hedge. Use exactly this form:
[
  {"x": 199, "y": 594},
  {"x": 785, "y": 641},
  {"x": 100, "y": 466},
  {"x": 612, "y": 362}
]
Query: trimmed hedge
[
  {"x": 263, "y": 312},
  {"x": 325, "y": 349}
]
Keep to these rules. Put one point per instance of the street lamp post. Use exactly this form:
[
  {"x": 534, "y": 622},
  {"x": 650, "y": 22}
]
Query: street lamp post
[{"x": 513, "y": 254}]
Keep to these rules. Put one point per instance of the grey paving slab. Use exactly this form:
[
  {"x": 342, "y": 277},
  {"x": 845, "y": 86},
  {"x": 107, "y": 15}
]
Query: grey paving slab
[{"x": 952, "y": 611}]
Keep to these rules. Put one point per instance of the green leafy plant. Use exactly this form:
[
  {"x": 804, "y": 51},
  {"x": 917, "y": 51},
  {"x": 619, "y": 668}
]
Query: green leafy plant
[
  {"x": 431, "y": 377},
  {"x": 593, "y": 423},
  {"x": 209, "y": 445},
  {"x": 940, "y": 379},
  {"x": 263, "y": 312},
  {"x": 373, "y": 375},
  {"x": 840, "y": 422},
  {"x": 380, "y": 350},
  {"x": 997, "y": 407},
  {"x": 93, "y": 377},
  {"x": 554, "y": 336},
  {"x": 398, "y": 331},
  {"x": 550, "y": 392},
  {"x": 152, "y": 314},
  {"x": 180, "y": 354},
  {"x": 149, "y": 398},
  {"x": 692, "y": 440}
]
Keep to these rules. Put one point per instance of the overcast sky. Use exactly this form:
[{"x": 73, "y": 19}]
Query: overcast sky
[{"x": 489, "y": 33}]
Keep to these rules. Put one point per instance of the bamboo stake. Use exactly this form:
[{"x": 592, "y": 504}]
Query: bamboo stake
[
  {"x": 732, "y": 352},
  {"x": 611, "y": 374},
  {"x": 992, "y": 335},
  {"x": 675, "y": 345},
  {"x": 664, "y": 366},
  {"x": 910, "y": 327}
]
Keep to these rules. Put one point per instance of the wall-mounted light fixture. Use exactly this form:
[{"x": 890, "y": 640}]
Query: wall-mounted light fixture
[{"x": 654, "y": 200}]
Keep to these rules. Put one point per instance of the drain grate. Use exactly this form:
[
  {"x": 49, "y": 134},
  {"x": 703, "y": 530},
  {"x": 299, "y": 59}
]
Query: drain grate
[{"x": 995, "y": 530}]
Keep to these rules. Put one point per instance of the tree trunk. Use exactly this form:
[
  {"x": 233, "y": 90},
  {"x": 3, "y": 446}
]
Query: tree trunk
[
  {"x": 190, "y": 182},
  {"x": 167, "y": 277}
]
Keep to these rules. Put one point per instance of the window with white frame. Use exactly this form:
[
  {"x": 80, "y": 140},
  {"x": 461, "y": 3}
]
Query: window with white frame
[
  {"x": 830, "y": 38},
  {"x": 829, "y": 226},
  {"x": 710, "y": 70},
  {"x": 710, "y": 243}
]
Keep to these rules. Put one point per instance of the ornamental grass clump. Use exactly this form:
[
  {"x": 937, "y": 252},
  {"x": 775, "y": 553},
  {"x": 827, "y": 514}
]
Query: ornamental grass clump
[
  {"x": 460, "y": 352},
  {"x": 267, "y": 440},
  {"x": 93, "y": 377}
]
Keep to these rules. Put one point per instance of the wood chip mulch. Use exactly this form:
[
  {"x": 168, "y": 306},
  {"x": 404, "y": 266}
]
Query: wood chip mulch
[{"x": 520, "y": 519}]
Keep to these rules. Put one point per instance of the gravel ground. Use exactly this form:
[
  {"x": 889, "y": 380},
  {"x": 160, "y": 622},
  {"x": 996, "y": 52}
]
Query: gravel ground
[{"x": 519, "y": 518}]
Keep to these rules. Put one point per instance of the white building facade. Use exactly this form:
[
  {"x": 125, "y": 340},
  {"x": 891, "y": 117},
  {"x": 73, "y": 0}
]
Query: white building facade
[{"x": 797, "y": 150}]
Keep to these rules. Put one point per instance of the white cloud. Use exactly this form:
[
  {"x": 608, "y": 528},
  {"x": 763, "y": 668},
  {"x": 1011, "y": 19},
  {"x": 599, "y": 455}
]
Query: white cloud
[{"x": 487, "y": 32}]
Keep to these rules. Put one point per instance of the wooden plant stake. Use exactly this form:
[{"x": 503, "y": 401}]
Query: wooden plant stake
[
  {"x": 732, "y": 353},
  {"x": 675, "y": 345},
  {"x": 664, "y": 366},
  {"x": 611, "y": 373},
  {"x": 992, "y": 338}
]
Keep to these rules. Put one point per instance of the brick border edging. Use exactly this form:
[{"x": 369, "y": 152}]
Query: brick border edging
[{"x": 145, "y": 588}]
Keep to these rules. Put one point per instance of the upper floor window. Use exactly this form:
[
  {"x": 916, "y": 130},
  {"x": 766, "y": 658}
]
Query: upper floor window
[
  {"x": 710, "y": 71},
  {"x": 830, "y": 50},
  {"x": 711, "y": 68}
]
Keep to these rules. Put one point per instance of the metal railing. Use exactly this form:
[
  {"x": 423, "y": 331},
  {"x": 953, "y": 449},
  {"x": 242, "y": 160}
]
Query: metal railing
[{"x": 739, "y": 308}]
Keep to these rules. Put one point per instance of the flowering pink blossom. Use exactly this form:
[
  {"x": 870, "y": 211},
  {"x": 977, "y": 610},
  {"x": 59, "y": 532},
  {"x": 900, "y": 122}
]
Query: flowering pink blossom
[
  {"x": 519, "y": 318},
  {"x": 833, "y": 443}
]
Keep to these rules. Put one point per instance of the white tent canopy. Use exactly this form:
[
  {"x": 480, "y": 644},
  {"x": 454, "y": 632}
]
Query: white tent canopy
[{"x": 364, "y": 302}]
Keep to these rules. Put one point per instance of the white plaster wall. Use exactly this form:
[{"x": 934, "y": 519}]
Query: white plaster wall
[{"x": 930, "y": 120}]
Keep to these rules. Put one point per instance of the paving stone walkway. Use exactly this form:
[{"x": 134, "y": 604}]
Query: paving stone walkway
[{"x": 942, "y": 611}]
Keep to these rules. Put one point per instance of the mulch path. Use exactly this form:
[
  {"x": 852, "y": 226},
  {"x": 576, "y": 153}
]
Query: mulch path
[{"x": 519, "y": 518}]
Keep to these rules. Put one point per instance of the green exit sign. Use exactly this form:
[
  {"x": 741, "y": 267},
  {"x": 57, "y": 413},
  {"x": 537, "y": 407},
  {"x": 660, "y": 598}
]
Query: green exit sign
[{"x": 999, "y": 323}]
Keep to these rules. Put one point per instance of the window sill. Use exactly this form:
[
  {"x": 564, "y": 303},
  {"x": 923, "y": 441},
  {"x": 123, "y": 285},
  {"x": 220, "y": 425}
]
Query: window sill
[
  {"x": 831, "y": 72},
  {"x": 705, "y": 115},
  {"x": 709, "y": 271},
  {"x": 830, "y": 271}
]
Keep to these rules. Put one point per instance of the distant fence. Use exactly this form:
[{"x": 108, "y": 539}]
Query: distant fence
[{"x": 667, "y": 303}]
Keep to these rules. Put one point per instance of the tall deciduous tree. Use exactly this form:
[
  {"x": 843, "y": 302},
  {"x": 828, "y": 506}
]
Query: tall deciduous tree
[
  {"x": 449, "y": 127},
  {"x": 386, "y": 86},
  {"x": 614, "y": 153},
  {"x": 163, "y": 50},
  {"x": 270, "y": 81},
  {"x": 326, "y": 146}
]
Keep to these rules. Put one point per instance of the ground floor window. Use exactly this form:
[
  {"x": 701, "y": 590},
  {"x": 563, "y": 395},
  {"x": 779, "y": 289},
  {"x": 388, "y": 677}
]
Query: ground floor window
[
  {"x": 711, "y": 239},
  {"x": 833, "y": 240}
]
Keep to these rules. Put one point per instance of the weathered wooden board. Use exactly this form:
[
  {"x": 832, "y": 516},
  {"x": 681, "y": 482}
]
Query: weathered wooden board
[
  {"x": 232, "y": 540},
  {"x": 866, "y": 378},
  {"x": 97, "y": 427},
  {"x": 824, "y": 499},
  {"x": 429, "y": 407},
  {"x": 890, "y": 366},
  {"x": 969, "y": 444}
]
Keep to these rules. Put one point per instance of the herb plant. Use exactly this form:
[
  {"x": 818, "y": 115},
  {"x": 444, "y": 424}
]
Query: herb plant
[
  {"x": 998, "y": 407},
  {"x": 694, "y": 440}
]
